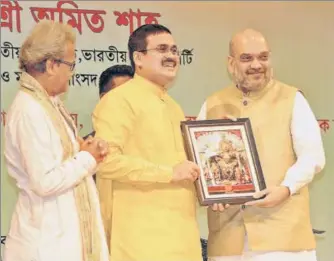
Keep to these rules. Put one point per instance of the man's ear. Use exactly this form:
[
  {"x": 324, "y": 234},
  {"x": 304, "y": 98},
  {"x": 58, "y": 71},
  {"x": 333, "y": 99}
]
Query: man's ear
[
  {"x": 50, "y": 67},
  {"x": 137, "y": 58},
  {"x": 230, "y": 64}
]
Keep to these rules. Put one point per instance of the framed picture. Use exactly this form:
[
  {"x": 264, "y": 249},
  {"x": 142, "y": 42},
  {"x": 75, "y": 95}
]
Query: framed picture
[{"x": 226, "y": 153}]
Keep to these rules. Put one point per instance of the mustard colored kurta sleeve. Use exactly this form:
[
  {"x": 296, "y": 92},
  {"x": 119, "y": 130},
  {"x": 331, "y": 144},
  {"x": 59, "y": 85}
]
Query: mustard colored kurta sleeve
[
  {"x": 116, "y": 129},
  {"x": 152, "y": 218}
]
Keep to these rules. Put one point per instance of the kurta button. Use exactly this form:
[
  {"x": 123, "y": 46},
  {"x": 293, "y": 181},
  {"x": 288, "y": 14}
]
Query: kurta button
[{"x": 245, "y": 103}]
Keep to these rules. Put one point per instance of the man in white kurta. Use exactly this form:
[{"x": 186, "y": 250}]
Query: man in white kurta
[{"x": 45, "y": 225}]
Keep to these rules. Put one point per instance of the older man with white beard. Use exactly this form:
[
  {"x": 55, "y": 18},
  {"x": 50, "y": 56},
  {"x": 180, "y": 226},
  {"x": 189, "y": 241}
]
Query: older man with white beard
[{"x": 277, "y": 227}]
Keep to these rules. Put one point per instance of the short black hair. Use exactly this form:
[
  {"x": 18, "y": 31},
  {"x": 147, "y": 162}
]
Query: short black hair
[
  {"x": 113, "y": 71},
  {"x": 137, "y": 41}
]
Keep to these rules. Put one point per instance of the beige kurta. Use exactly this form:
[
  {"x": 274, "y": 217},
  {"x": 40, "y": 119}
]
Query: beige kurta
[{"x": 283, "y": 228}]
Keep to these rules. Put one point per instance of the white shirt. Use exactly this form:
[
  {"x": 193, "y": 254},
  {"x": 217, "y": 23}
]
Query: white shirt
[
  {"x": 45, "y": 224},
  {"x": 307, "y": 144}
]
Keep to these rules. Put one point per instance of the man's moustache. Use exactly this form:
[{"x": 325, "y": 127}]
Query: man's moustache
[
  {"x": 169, "y": 61},
  {"x": 255, "y": 72}
]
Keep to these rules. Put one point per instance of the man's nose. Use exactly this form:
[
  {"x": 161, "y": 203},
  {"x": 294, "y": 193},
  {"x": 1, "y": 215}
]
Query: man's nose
[{"x": 256, "y": 64}]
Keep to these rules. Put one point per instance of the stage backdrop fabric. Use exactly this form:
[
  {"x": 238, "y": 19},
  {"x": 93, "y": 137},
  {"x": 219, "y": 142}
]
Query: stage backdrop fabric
[{"x": 300, "y": 34}]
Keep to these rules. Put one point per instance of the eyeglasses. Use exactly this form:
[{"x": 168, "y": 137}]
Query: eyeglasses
[
  {"x": 164, "y": 48},
  {"x": 71, "y": 65}
]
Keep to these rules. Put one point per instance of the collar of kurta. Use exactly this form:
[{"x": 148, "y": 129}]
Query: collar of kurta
[
  {"x": 29, "y": 82},
  {"x": 150, "y": 86},
  {"x": 256, "y": 94}
]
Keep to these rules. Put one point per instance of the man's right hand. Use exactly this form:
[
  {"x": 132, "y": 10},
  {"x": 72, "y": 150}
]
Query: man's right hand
[
  {"x": 230, "y": 117},
  {"x": 186, "y": 170},
  {"x": 96, "y": 147},
  {"x": 219, "y": 207}
]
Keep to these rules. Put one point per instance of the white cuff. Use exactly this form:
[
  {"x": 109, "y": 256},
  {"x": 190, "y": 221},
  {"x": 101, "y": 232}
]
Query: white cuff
[
  {"x": 87, "y": 161},
  {"x": 294, "y": 188}
]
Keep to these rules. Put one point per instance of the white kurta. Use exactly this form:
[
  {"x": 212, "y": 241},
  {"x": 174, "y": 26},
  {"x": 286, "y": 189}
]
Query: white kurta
[
  {"x": 308, "y": 146},
  {"x": 45, "y": 224}
]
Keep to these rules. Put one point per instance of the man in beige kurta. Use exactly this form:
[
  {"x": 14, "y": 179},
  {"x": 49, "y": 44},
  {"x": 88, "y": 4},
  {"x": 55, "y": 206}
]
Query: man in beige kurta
[{"x": 290, "y": 149}]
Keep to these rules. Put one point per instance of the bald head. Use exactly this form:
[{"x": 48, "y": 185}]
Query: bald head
[
  {"x": 247, "y": 38},
  {"x": 249, "y": 60}
]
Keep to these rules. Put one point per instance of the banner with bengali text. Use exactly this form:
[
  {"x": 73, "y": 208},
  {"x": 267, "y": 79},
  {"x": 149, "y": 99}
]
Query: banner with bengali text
[{"x": 300, "y": 35}]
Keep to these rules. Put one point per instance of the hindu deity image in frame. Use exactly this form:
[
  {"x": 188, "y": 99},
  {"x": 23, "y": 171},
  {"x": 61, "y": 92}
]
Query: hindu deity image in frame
[{"x": 226, "y": 153}]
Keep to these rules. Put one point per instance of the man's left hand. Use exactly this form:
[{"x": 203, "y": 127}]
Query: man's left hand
[{"x": 273, "y": 197}]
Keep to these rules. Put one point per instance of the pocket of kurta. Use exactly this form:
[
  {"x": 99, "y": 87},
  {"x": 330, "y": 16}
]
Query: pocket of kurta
[
  {"x": 36, "y": 205},
  {"x": 52, "y": 222}
]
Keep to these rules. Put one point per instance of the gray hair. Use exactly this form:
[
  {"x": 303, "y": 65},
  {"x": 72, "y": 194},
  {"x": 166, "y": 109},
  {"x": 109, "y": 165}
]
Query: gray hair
[{"x": 47, "y": 40}]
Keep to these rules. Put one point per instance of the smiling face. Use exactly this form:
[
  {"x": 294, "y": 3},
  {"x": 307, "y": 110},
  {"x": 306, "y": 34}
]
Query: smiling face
[
  {"x": 160, "y": 61},
  {"x": 249, "y": 61}
]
